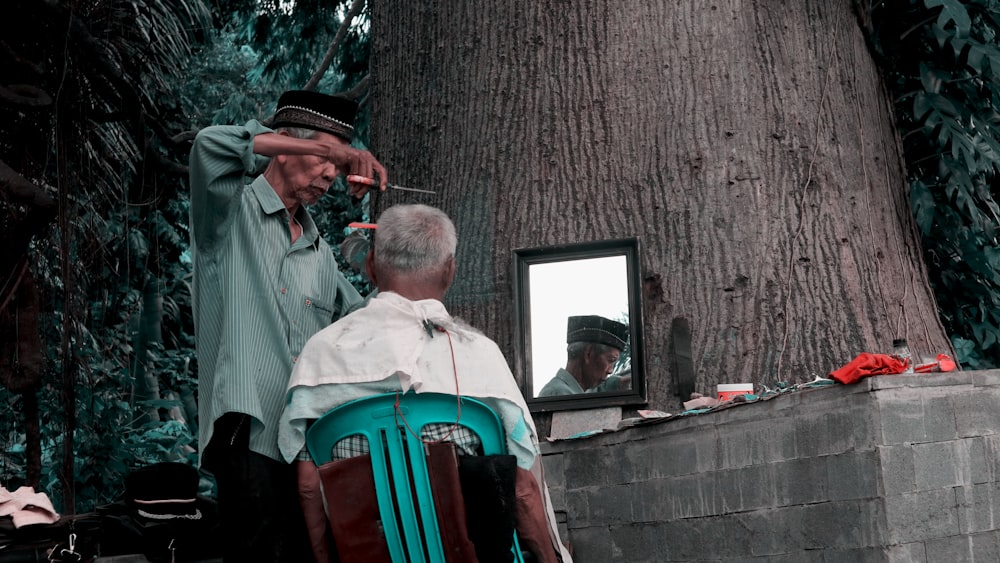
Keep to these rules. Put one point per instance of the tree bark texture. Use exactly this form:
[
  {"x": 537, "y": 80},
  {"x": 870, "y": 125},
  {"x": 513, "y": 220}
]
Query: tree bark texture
[{"x": 748, "y": 144}]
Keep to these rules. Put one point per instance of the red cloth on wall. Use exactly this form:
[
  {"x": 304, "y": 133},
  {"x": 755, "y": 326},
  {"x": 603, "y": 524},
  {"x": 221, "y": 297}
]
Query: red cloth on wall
[{"x": 867, "y": 364}]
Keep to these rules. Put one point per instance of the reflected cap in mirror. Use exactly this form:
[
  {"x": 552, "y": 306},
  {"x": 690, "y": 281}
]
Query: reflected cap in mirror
[{"x": 594, "y": 328}]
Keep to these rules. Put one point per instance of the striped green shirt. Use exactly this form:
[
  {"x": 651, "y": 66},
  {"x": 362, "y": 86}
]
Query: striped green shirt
[{"x": 257, "y": 297}]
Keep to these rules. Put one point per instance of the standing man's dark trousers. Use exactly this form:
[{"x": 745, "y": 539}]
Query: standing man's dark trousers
[{"x": 258, "y": 499}]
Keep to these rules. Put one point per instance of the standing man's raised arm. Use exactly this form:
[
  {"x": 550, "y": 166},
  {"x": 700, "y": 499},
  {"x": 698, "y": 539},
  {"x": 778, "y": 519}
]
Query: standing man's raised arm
[{"x": 347, "y": 159}]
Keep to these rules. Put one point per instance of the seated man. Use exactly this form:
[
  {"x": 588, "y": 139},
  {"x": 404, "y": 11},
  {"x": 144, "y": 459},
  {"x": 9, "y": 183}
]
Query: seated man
[
  {"x": 593, "y": 345},
  {"x": 405, "y": 339}
]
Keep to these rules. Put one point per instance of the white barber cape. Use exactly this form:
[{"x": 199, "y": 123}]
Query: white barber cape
[{"x": 395, "y": 344}]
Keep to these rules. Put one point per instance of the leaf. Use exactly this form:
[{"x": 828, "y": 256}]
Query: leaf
[
  {"x": 970, "y": 54},
  {"x": 922, "y": 203},
  {"x": 930, "y": 78},
  {"x": 921, "y": 106},
  {"x": 952, "y": 11}
]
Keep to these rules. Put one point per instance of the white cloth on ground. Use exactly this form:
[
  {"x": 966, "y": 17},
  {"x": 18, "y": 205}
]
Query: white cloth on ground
[{"x": 26, "y": 507}]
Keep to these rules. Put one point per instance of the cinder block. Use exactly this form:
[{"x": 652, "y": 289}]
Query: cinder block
[
  {"x": 569, "y": 423},
  {"x": 954, "y": 549},
  {"x": 654, "y": 542},
  {"x": 914, "y": 552},
  {"x": 986, "y": 546},
  {"x": 897, "y": 471},
  {"x": 852, "y": 475},
  {"x": 801, "y": 481},
  {"x": 953, "y": 379},
  {"x": 847, "y": 524},
  {"x": 964, "y": 548},
  {"x": 948, "y": 464},
  {"x": 552, "y": 465},
  {"x": 863, "y": 555},
  {"x": 652, "y": 500},
  {"x": 840, "y": 525},
  {"x": 921, "y": 516},
  {"x": 588, "y": 467},
  {"x": 935, "y": 466},
  {"x": 591, "y": 545},
  {"x": 822, "y": 432},
  {"x": 771, "y": 531},
  {"x": 972, "y": 452},
  {"x": 979, "y": 415},
  {"x": 757, "y": 486},
  {"x": 555, "y": 479},
  {"x": 695, "y": 453},
  {"x": 799, "y": 556},
  {"x": 984, "y": 378},
  {"x": 991, "y": 457},
  {"x": 558, "y": 497},
  {"x": 756, "y": 443},
  {"x": 978, "y": 509},
  {"x": 611, "y": 505},
  {"x": 679, "y": 455},
  {"x": 578, "y": 508},
  {"x": 698, "y": 539},
  {"x": 599, "y": 506},
  {"x": 902, "y": 417},
  {"x": 693, "y": 496},
  {"x": 939, "y": 416}
]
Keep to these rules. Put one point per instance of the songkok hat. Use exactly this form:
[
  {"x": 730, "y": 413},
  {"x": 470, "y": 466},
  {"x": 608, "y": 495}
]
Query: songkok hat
[
  {"x": 316, "y": 111},
  {"x": 164, "y": 491},
  {"x": 594, "y": 328}
]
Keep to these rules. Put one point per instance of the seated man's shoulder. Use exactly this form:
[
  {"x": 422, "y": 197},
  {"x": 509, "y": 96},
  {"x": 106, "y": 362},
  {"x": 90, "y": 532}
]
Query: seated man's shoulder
[{"x": 476, "y": 336}]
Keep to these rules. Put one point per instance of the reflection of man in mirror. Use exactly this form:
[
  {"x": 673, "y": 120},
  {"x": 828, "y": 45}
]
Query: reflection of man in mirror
[{"x": 593, "y": 344}]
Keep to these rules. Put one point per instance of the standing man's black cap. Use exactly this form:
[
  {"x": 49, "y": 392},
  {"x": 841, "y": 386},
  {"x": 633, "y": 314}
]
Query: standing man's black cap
[{"x": 316, "y": 111}]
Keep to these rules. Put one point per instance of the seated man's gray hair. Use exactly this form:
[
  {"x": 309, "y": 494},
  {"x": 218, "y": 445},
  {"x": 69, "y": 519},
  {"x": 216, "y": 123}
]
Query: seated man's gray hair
[{"x": 414, "y": 237}]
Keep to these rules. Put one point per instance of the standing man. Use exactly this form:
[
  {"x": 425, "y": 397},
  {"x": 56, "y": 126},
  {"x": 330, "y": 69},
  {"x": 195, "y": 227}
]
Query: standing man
[
  {"x": 593, "y": 344},
  {"x": 264, "y": 282}
]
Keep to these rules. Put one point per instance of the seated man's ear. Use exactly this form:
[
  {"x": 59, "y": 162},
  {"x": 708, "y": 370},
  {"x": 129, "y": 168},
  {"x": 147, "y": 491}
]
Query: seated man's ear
[{"x": 449, "y": 273}]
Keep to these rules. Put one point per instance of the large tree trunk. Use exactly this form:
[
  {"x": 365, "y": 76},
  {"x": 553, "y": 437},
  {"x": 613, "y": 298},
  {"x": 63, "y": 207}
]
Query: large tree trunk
[{"x": 748, "y": 144}]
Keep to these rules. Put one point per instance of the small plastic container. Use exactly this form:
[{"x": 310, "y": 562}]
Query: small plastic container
[
  {"x": 901, "y": 350},
  {"x": 729, "y": 391}
]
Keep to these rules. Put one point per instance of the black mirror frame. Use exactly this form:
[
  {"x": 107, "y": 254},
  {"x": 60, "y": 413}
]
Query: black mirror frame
[{"x": 526, "y": 257}]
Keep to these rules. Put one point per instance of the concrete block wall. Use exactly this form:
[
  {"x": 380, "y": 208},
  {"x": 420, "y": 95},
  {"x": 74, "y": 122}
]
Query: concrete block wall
[{"x": 891, "y": 469}]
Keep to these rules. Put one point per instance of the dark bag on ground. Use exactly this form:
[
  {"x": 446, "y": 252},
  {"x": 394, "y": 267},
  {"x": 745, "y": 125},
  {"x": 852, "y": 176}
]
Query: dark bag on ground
[{"x": 70, "y": 539}]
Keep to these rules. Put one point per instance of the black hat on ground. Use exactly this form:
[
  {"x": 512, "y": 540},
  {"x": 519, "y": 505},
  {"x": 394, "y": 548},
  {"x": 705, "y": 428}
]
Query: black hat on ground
[
  {"x": 317, "y": 111},
  {"x": 594, "y": 328},
  {"x": 164, "y": 491}
]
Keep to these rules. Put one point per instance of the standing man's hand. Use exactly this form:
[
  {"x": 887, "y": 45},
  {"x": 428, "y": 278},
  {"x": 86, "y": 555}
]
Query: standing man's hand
[
  {"x": 355, "y": 162},
  {"x": 348, "y": 160}
]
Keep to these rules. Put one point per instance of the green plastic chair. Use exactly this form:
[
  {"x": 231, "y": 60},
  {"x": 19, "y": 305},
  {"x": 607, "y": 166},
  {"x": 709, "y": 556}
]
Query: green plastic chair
[{"x": 397, "y": 452}]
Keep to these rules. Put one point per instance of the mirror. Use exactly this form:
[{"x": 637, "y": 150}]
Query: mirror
[{"x": 597, "y": 284}]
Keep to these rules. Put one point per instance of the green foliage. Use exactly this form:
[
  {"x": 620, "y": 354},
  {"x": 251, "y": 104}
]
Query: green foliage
[
  {"x": 122, "y": 62},
  {"x": 941, "y": 59},
  {"x": 140, "y": 73}
]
